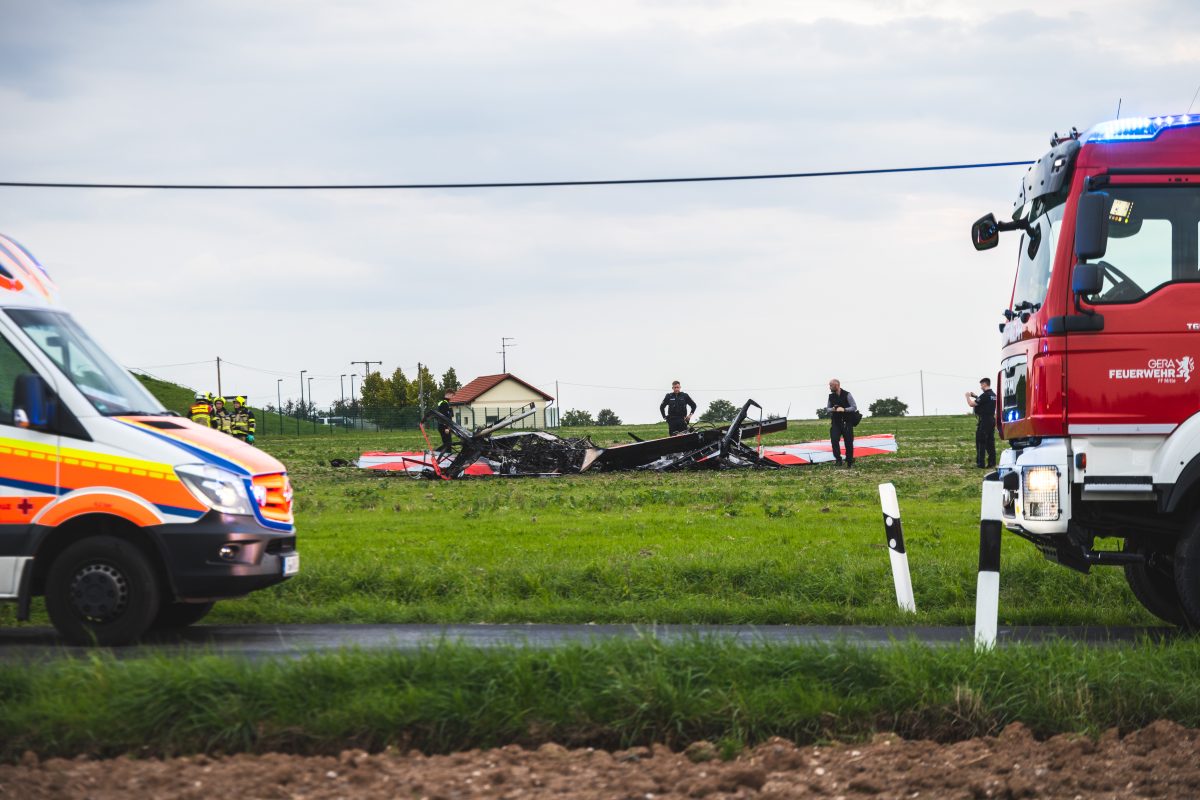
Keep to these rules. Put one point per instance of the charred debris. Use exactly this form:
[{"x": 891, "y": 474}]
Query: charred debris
[{"x": 538, "y": 453}]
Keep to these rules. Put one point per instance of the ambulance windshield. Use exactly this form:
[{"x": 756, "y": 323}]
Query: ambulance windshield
[{"x": 107, "y": 386}]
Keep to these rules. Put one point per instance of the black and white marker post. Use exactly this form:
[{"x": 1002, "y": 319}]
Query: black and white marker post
[
  {"x": 987, "y": 589},
  {"x": 895, "y": 541}
]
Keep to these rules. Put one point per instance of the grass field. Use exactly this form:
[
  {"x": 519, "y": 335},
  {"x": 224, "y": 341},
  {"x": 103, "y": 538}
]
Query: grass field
[
  {"x": 798, "y": 545},
  {"x": 615, "y": 694}
]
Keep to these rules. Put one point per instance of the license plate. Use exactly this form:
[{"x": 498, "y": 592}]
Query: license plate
[{"x": 291, "y": 564}]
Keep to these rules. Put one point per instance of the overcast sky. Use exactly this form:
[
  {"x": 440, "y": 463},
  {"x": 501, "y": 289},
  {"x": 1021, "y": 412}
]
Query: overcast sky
[{"x": 758, "y": 289}]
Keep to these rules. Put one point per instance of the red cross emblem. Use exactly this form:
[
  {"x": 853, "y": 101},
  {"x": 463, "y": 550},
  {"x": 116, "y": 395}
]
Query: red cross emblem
[{"x": 25, "y": 505}]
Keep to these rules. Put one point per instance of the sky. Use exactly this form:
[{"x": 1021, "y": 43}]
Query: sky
[{"x": 757, "y": 289}]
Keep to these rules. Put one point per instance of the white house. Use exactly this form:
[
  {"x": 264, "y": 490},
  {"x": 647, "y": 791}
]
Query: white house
[{"x": 489, "y": 398}]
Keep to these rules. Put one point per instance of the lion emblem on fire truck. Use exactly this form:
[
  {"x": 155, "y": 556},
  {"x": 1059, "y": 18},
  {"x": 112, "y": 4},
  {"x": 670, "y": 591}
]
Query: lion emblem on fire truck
[{"x": 1184, "y": 367}]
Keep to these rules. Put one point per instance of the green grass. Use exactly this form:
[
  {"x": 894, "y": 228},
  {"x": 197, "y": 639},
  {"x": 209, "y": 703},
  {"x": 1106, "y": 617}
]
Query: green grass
[
  {"x": 798, "y": 545},
  {"x": 615, "y": 694}
]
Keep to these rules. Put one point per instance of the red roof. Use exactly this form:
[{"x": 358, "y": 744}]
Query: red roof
[{"x": 483, "y": 383}]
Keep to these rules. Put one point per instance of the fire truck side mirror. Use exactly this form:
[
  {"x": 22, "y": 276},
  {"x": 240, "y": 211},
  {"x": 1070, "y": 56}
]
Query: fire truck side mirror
[
  {"x": 985, "y": 233},
  {"x": 1087, "y": 279},
  {"x": 1091, "y": 226}
]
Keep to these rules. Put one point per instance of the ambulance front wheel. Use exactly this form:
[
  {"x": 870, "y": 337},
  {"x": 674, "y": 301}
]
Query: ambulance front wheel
[{"x": 102, "y": 590}]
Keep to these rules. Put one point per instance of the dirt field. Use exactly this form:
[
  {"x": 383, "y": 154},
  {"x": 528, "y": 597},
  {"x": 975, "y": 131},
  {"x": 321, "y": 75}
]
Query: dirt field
[{"x": 1162, "y": 760}]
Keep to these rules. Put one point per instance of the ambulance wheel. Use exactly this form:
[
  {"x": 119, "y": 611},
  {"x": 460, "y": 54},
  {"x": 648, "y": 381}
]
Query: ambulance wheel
[
  {"x": 101, "y": 590},
  {"x": 1153, "y": 584},
  {"x": 1187, "y": 573},
  {"x": 180, "y": 615}
]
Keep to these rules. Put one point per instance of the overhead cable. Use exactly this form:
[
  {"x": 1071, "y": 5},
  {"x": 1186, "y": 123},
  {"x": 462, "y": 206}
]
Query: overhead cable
[{"x": 502, "y": 184}]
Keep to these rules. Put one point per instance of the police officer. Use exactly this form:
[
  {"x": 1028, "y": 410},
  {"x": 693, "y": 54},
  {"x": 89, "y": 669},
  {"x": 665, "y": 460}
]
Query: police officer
[
  {"x": 221, "y": 418},
  {"x": 241, "y": 419},
  {"x": 984, "y": 405},
  {"x": 443, "y": 408},
  {"x": 201, "y": 411},
  {"x": 677, "y": 408},
  {"x": 842, "y": 413}
]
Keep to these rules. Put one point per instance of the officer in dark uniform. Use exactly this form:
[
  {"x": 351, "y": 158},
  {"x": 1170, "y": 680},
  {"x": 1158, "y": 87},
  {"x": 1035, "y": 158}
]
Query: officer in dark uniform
[
  {"x": 443, "y": 408},
  {"x": 984, "y": 405},
  {"x": 842, "y": 410},
  {"x": 677, "y": 409}
]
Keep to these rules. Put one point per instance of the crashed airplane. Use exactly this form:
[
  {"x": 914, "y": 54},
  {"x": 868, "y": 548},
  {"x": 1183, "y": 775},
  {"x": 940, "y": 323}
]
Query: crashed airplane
[{"x": 538, "y": 453}]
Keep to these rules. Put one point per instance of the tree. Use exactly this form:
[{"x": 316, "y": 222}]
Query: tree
[
  {"x": 375, "y": 395},
  {"x": 888, "y": 407},
  {"x": 607, "y": 417},
  {"x": 421, "y": 387},
  {"x": 822, "y": 413},
  {"x": 576, "y": 418},
  {"x": 719, "y": 411},
  {"x": 450, "y": 382},
  {"x": 397, "y": 389}
]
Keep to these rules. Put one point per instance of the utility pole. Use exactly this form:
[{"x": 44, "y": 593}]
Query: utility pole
[
  {"x": 922, "y": 393},
  {"x": 219, "y": 392},
  {"x": 310, "y": 414},
  {"x": 504, "y": 345},
  {"x": 557, "y": 403},
  {"x": 301, "y": 400},
  {"x": 279, "y": 402},
  {"x": 353, "y": 401},
  {"x": 421, "y": 391},
  {"x": 366, "y": 366}
]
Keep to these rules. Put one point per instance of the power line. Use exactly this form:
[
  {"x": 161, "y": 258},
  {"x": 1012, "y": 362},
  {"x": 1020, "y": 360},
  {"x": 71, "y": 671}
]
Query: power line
[{"x": 505, "y": 184}]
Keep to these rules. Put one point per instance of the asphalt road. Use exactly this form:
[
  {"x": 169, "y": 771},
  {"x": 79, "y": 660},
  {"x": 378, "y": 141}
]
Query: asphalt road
[{"x": 267, "y": 641}]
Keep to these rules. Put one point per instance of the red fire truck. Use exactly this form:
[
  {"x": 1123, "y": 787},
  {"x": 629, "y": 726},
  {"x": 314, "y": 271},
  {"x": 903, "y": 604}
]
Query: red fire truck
[{"x": 1099, "y": 391}]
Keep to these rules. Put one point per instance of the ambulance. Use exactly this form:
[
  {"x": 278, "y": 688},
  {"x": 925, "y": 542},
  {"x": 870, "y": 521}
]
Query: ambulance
[
  {"x": 124, "y": 516},
  {"x": 1099, "y": 345}
]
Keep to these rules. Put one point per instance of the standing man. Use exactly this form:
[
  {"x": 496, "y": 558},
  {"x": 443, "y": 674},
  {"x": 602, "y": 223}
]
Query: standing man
[
  {"x": 677, "y": 409},
  {"x": 201, "y": 411},
  {"x": 984, "y": 405},
  {"x": 242, "y": 420},
  {"x": 443, "y": 408},
  {"x": 221, "y": 418},
  {"x": 842, "y": 411}
]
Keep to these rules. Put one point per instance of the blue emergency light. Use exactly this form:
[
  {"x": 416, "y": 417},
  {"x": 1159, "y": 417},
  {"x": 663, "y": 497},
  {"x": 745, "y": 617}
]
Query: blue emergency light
[{"x": 1138, "y": 129}]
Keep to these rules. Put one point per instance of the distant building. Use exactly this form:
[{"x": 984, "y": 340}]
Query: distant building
[{"x": 489, "y": 398}]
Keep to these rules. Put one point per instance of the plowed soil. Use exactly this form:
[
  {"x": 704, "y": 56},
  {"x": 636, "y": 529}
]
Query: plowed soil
[{"x": 1162, "y": 760}]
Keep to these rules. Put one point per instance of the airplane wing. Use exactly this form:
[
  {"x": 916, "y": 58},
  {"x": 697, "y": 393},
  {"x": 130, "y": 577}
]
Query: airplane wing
[{"x": 822, "y": 451}]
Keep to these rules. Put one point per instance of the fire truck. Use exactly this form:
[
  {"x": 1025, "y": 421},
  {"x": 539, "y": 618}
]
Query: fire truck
[{"x": 1099, "y": 391}]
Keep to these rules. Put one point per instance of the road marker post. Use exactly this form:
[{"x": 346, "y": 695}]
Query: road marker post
[
  {"x": 987, "y": 588},
  {"x": 896, "y": 550}
]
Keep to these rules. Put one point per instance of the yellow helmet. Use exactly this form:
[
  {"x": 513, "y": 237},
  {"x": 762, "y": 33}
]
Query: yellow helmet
[
  {"x": 220, "y": 400},
  {"x": 240, "y": 399}
]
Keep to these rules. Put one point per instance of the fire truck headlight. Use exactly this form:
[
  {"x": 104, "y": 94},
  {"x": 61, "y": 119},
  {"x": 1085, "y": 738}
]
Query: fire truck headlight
[{"x": 1040, "y": 493}]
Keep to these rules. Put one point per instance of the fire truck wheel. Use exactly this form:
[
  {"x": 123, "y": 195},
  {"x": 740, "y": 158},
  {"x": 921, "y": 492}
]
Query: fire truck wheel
[
  {"x": 1187, "y": 572},
  {"x": 101, "y": 590},
  {"x": 180, "y": 615},
  {"x": 1153, "y": 584}
]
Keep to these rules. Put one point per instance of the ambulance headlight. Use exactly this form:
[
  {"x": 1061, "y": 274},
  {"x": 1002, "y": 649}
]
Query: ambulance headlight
[
  {"x": 1040, "y": 493},
  {"x": 219, "y": 489}
]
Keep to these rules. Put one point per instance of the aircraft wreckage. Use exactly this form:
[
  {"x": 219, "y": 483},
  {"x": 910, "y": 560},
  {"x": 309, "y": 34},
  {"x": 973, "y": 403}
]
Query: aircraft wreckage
[{"x": 537, "y": 453}]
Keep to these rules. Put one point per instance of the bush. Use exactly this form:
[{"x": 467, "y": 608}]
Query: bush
[
  {"x": 888, "y": 407},
  {"x": 719, "y": 411},
  {"x": 576, "y": 418},
  {"x": 607, "y": 417},
  {"x": 822, "y": 413}
]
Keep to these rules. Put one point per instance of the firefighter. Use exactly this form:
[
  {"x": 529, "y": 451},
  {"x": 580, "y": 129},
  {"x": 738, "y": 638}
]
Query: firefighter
[
  {"x": 201, "y": 410},
  {"x": 242, "y": 420},
  {"x": 222, "y": 420}
]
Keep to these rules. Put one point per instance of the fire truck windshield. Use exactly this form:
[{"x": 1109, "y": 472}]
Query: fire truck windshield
[
  {"x": 1037, "y": 256},
  {"x": 1152, "y": 240}
]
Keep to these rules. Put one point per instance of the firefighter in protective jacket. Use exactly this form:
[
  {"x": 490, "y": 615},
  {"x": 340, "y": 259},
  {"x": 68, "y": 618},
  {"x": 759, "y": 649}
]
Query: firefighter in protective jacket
[
  {"x": 201, "y": 411},
  {"x": 222, "y": 420},
  {"x": 242, "y": 420}
]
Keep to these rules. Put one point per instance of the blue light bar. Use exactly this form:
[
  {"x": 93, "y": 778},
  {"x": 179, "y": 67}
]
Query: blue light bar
[{"x": 1137, "y": 129}]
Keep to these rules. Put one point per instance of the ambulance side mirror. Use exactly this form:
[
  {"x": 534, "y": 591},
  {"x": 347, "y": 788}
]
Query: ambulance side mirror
[
  {"x": 985, "y": 233},
  {"x": 31, "y": 402},
  {"x": 1091, "y": 226}
]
